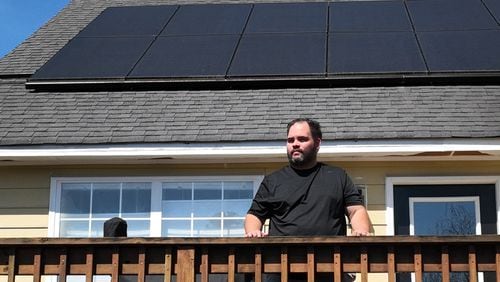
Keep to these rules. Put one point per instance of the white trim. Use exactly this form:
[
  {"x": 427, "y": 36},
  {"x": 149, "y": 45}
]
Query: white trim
[
  {"x": 474, "y": 199},
  {"x": 447, "y": 149},
  {"x": 156, "y": 210},
  {"x": 430, "y": 180}
]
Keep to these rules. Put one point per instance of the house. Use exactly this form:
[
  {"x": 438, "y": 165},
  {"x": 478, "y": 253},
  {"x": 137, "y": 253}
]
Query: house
[{"x": 183, "y": 157}]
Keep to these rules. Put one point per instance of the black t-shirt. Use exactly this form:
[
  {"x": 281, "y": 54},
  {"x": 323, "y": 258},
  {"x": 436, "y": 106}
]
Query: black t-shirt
[{"x": 305, "y": 202}]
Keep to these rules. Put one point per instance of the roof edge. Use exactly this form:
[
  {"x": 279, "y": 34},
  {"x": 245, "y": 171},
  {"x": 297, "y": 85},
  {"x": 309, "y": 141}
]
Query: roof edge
[{"x": 252, "y": 152}]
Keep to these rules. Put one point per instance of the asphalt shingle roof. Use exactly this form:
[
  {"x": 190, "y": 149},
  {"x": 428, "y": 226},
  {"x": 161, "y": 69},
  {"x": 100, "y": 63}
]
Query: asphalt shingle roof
[{"x": 28, "y": 117}]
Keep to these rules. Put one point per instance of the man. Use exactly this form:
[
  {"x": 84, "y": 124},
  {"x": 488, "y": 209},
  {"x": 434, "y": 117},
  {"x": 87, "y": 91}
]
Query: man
[{"x": 306, "y": 198}]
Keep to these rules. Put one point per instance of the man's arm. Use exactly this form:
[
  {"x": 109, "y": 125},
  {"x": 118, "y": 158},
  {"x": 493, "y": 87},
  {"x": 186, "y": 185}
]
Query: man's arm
[
  {"x": 360, "y": 222},
  {"x": 253, "y": 226}
]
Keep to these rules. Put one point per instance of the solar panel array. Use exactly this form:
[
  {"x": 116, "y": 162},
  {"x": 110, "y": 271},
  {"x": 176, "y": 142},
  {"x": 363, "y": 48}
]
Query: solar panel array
[{"x": 283, "y": 40}]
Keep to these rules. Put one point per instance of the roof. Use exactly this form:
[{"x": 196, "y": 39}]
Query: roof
[{"x": 161, "y": 116}]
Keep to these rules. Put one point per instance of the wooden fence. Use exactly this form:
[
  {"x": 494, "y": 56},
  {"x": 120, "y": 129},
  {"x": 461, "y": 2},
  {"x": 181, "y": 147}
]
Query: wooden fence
[{"x": 183, "y": 259}]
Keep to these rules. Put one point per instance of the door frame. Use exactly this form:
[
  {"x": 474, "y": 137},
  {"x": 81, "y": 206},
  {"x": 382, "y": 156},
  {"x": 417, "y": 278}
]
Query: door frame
[{"x": 434, "y": 180}]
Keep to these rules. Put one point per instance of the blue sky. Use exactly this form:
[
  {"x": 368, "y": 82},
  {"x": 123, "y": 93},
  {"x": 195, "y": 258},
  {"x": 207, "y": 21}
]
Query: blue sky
[{"x": 20, "y": 18}]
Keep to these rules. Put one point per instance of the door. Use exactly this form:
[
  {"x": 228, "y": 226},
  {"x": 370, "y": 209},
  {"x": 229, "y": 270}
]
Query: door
[{"x": 445, "y": 210}]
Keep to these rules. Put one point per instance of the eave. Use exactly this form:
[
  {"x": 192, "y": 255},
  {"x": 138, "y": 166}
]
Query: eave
[{"x": 251, "y": 152}]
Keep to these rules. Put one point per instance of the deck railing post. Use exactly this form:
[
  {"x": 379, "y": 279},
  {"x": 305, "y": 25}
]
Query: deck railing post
[
  {"x": 445, "y": 264},
  {"x": 185, "y": 264},
  {"x": 12, "y": 265},
  {"x": 258, "y": 265},
  {"x": 417, "y": 263},
  {"x": 472, "y": 264},
  {"x": 391, "y": 264}
]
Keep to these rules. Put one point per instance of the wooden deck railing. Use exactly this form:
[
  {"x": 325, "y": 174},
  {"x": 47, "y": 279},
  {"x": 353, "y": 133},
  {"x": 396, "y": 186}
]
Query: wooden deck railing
[{"x": 184, "y": 258}]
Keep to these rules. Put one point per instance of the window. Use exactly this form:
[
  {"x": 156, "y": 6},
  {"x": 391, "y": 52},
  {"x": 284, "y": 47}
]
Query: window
[{"x": 168, "y": 207}]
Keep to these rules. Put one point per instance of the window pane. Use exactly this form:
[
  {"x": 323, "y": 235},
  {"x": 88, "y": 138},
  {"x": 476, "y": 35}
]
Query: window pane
[
  {"x": 177, "y": 191},
  {"x": 74, "y": 229},
  {"x": 444, "y": 218},
  {"x": 236, "y": 208},
  {"x": 137, "y": 228},
  {"x": 176, "y": 208},
  {"x": 208, "y": 191},
  {"x": 238, "y": 190},
  {"x": 207, "y": 208},
  {"x": 106, "y": 200},
  {"x": 97, "y": 228},
  {"x": 233, "y": 228},
  {"x": 136, "y": 199},
  {"x": 75, "y": 200},
  {"x": 207, "y": 228},
  {"x": 176, "y": 228}
]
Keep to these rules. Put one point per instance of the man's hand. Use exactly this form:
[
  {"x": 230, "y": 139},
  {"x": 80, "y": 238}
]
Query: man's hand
[
  {"x": 253, "y": 227},
  {"x": 255, "y": 233},
  {"x": 360, "y": 233}
]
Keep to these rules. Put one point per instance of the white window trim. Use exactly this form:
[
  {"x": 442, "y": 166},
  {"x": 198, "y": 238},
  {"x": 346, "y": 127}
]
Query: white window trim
[
  {"x": 55, "y": 193},
  {"x": 474, "y": 199},
  {"x": 434, "y": 180}
]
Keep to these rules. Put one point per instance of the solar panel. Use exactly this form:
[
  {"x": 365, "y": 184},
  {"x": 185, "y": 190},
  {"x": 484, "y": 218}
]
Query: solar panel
[
  {"x": 380, "y": 52},
  {"x": 288, "y": 18},
  {"x": 450, "y": 15},
  {"x": 187, "y": 56},
  {"x": 208, "y": 19},
  {"x": 368, "y": 16},
  {"x": 288, "y": 41},
  {"x": 455, "y": 51},
  {"x": 129, "y": 21},
  {"x": 94, "y": 58},
  {"x": 280, "y": 54},
  {"x": 494, "y": 7}
]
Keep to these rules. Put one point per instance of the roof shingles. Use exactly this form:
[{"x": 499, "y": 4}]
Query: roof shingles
[{"x": 244, "y": 115}]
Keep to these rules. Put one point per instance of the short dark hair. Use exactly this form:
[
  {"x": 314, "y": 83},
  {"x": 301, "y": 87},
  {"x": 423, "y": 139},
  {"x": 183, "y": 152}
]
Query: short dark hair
[{"x": 313, "y": 126}]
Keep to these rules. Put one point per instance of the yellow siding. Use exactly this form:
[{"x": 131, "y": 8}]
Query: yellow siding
[
  {"x": 25, "y": 190},
  {"x": 23, "y": 221}
]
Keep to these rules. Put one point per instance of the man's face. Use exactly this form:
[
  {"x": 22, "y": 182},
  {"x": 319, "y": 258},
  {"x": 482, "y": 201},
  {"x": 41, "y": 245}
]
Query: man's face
[{"x": 301, "y": 146}]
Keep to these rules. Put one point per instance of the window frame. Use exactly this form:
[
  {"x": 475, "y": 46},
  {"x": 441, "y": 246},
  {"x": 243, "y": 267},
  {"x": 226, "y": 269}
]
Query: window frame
[
  {"x": 156, "y": 190},
  {"x": 455, "y": 199}
]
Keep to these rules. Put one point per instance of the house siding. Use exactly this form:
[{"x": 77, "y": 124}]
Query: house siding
[{"x": 25, "y": 190}]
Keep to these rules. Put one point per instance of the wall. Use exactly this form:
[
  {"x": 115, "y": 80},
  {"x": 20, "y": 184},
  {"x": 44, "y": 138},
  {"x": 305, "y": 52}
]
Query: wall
[{"x": 25, "y": 190}]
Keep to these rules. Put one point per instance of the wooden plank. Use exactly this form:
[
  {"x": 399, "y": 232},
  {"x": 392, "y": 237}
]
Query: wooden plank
[
  {"x": 11, "y": 268},
  {"x": 417, "y": 263},
  {"x": 204, "y": 265},
  {"x": 391, "y": 264},
  {"x": 63, "y": 264},
  {"x": 497, "y": 260},
  {"x": 89, "y": 267},
  {"x": 337, "y": 264},
  {"x": 185, "y": 264},
  {"x": 258, "y": 265},
  {"x": 141, "y": 273},
  {"x": 310, "y": 264},
  {"x": 472, "y": 264},
  {"x": 364, "y": 264},
  {"x": 168, "y": 265},
  {"x": 115, "y": 264},
  {"x": 284, "y": 264},
  {"x": 37, "y": 265},
  {"x": 445, "y": 264},
  {"x": 231, "y": 265}
]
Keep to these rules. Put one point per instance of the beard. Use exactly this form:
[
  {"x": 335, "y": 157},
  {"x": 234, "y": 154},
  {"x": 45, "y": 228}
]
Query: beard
[{"x": 305, "y": 159}]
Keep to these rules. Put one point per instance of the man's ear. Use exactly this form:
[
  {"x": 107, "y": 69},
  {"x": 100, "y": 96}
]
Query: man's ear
[{"x": 317, "y": 143}]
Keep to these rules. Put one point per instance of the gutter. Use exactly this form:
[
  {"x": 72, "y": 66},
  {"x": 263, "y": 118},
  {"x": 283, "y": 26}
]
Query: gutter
[{"x": 272, "y": 151}]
